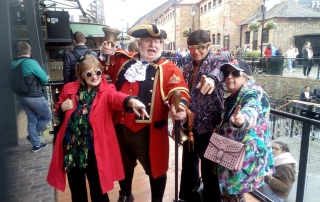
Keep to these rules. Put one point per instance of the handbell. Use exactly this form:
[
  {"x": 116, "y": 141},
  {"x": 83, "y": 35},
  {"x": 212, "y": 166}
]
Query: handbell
[
  {"x": 182, "y": 136},
  {"x": 111, "y": 35}
]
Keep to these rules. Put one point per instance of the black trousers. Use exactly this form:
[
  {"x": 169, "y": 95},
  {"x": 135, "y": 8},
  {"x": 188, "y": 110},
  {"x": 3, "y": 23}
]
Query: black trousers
[
  {"x": 77, "y": 182},
  {"x": 135, "y": 146},
  {"x": 306, "y": 70},
  {"x": 190, "y": 170}
]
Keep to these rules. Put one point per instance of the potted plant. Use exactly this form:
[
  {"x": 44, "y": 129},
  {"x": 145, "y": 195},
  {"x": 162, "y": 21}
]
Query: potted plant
[
  {"x": 254, "y": 25},
  {"x": 251, "y": 55},
  {"x": 186, "y": 32},
  {"x": 270, "y": 24}
]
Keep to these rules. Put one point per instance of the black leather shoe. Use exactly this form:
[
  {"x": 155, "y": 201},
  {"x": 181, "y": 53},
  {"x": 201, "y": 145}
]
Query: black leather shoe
[{"x": 124, "y": 198}]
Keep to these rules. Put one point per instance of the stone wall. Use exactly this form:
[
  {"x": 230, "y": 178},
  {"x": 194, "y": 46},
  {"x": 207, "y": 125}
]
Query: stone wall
[{"x": 277, "y": 86}]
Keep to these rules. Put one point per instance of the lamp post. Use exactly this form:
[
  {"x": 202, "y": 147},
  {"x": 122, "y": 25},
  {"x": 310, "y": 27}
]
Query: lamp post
[
  {"x": 122, "y": 38},
  {"x": 193, "y": 13},
  {"x": 263, "y": 8}
]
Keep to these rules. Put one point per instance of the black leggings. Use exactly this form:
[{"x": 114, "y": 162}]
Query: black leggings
[{"x": 77, "y": 182}]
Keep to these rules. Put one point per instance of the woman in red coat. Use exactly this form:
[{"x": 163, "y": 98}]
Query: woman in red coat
[{"x": 86, "y": 144}]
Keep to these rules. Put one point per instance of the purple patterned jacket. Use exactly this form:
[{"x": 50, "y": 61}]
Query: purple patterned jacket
[{"x": 206, "y": 108}]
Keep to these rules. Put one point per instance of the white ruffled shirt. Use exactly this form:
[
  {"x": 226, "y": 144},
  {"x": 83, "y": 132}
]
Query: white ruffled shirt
[{"x": 136, "y": 72}]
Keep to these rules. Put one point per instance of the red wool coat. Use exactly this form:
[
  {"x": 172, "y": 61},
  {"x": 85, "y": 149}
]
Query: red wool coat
[
  {"x": 165, "y": 79},
  {"x": 106, "y": 146}
]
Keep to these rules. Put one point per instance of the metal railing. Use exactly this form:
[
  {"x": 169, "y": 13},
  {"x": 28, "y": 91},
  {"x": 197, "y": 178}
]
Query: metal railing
[
  {"x": 296, "y": 121},
  {"x": 274, "y": 65}
]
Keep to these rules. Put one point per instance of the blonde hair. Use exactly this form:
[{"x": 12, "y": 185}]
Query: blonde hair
[
  {"x": 86, "y": 64},
  {"x": 133, "y": 46}
]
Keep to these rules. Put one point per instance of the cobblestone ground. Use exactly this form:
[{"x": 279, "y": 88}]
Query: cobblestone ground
[{"x": 27, "y": 172}]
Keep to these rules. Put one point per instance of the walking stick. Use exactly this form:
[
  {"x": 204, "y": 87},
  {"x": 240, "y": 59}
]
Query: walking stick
[{"x": 177, "y": 97}]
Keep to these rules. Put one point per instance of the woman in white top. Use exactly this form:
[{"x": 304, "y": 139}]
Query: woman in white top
[
  {"x": 296, "y": 50},
  {"x": 290, "y": 56}
]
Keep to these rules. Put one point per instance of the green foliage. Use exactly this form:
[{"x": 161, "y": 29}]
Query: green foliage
[
  {"x": 252, "y": 54},
  {"x": 119, "y": 37},
  {"x": 270, "y": 25},
  {"x": 186, "y": 32},
  {"x": 254, "y": 25}
]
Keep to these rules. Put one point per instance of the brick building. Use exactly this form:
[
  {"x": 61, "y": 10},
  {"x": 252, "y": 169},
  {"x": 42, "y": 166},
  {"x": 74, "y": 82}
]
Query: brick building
[
  {"x": 227, "y": 22},
  {"x": 295, "y": 24}
]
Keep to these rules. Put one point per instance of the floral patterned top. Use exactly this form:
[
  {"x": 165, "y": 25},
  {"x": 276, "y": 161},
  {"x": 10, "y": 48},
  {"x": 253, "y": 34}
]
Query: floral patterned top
[
  {"x": 255, "y": 134},
  {"x": 207, "y": 108}
]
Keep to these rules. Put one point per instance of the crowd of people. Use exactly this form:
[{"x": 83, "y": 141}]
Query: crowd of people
[{"x": 107, "y": 128}]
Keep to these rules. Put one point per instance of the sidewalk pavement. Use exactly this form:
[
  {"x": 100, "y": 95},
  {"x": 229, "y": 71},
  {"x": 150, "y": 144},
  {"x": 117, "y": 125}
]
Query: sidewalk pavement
[
  {"x": 26, "y": 173},
  {"x": 299, "y": 72}
]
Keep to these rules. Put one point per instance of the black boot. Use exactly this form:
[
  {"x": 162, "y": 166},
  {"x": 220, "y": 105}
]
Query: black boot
[
  {"x": 124, "y": 198},
  {"x": 125, "y": 194},
  {"x": 157, "y": 187}
]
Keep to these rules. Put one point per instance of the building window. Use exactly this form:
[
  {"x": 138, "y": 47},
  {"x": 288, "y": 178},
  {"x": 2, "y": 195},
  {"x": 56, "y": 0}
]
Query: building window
[
  {"x": 214, "y": 3},
  {"x": 201, "y": 10},
  {"x": 220, "y": 1},
  {"x": 205, "y": 8},
  {"x": 218, "y": 39},
  {"x": 213, "y": 39},
  {"x": 247, "y": 39},
  {"x": 265, "y": 35},
  {"x": 209, "y": 5}
]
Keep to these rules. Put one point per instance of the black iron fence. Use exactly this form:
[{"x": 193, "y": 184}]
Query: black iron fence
[
  {"x": 302, "y": 123},
  {"x": 274, "y": 65}
]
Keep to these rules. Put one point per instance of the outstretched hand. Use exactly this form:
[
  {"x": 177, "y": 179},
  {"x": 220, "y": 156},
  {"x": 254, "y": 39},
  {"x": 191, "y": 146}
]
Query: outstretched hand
[
  {"x": 138, "y": 108},
  {"x": 237, "y": 118},
  {"x": 206, "y": 85}
]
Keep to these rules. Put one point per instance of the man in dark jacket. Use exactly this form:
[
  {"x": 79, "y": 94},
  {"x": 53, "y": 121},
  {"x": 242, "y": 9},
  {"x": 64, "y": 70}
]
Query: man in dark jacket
[
  {"x": 70, "y": 61},
  {"x": 33, "y": 102}
]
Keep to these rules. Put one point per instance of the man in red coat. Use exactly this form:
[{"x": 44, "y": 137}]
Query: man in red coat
[{"x": 153, "y": 79}]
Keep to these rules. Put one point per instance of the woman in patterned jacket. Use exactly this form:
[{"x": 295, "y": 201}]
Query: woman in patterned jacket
[{"x": 246, "y": 120}]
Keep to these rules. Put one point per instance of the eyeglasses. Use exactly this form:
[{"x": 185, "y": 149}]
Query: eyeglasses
[
  {"x": 90, "y": 74},
  {"x": 200, "y": 47},
  {"x": 233, "y": 73}
]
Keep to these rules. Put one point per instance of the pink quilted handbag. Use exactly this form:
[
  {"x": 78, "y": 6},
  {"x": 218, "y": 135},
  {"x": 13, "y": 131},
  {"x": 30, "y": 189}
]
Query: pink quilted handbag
[{"x": 226, "y": 152}]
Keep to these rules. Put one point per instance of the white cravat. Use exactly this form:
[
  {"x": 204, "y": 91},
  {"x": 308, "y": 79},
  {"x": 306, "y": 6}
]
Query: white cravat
[{"x": 136, "y": 72}]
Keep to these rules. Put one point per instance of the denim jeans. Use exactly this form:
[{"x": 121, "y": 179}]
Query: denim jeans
[
  {"x": 289, "y": 67},
  {"x": 38, "y": 114}
]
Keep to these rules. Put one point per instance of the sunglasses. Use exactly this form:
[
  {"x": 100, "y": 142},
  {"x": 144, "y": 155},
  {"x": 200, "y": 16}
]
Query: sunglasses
[
  {"x": 234, "y": 73},
  {"x": 200, "y": 47},
  {"x": 90, "y": 74}
]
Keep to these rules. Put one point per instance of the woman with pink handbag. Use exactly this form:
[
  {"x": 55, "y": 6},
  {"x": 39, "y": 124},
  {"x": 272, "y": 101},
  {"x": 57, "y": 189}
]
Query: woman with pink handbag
[{"x": 246, "y": 121}]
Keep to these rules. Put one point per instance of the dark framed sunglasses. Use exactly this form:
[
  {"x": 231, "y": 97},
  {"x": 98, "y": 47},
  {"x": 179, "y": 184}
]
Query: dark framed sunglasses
[
  {"x": 200, "y": 47},
  {"x": 235, "y": 73},
  {"x": 90, "y": 74}
]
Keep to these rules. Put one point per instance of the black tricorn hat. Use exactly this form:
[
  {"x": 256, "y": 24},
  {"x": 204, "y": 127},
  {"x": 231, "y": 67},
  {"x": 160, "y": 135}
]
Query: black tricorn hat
[{"x": 147, "y": 30}]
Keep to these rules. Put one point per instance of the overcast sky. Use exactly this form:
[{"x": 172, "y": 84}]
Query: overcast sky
[{"x": 128, "y": 10}]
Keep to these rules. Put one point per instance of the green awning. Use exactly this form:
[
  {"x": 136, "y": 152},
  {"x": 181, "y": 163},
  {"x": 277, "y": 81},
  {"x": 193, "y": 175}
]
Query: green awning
[{"x": 89, "y": 30}]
